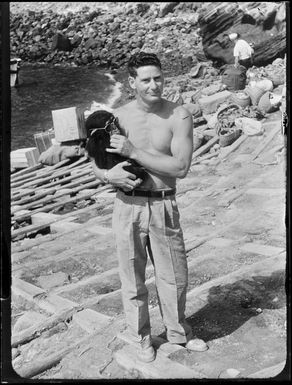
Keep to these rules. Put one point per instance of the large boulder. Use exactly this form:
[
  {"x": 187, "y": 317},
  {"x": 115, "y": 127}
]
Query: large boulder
[
  {"x": 166, "y": 8},
  {"x": 61, "y": 43}
]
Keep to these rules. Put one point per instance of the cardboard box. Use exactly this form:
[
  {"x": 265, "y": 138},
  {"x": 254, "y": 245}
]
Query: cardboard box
[
  {"x": 69, "y": 124},
  {"x": 43, "y": 141},
  {"x": 24, "y": 157}
]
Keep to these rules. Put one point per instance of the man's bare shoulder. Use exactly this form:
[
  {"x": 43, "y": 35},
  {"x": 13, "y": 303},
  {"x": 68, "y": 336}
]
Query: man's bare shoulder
[
  {"x": 124, "y": 110},
  {"x": 179, "y": 111}
]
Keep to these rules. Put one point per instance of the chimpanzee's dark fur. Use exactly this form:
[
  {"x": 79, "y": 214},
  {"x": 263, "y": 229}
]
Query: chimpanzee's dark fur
[{"x": 99, "y": 140}]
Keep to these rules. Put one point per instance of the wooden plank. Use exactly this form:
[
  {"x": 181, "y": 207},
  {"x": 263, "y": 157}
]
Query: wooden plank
[
  {"x": 26, "y": 171},
  {"x": 22, "y": 192},
  {"x": 202, "y": 158},
  {"x": 36, "y": 196},
  {"x": 161, "y": 368},
  {"x": 62, "y": 179},
  {"x": 264, "y": 144},
  {"x": 40, "y": 180},
  {"x": 42, "y": 364},
  {"x": 45, "y": 174},
  {"x": 87, "y": 281},
  {"x": 228, "y": 150},
  {"x": 62, "y": 226},
  {"x": 42, "y": 201},
  {"x": 32, "y": 228},
  {"x": 261, "y": 249},
  {"x": 195, "y": 242},
  {"x": 53, "y": 206},
  {"x": 43, "y": 218},
  {"x": 83, "y": 159},
  {"x": 60, "y": 164},
  {"x": 90, "y": 320},
  {"x": 205, "y": 147},
  {"x": 270, "y": 192},
  {"x": 50, "y": 237},
  {"x": 24, "y": 177},
  {"x": 69, "y": 185},
  {"x": 25, "y": 289},
  {"x": 53, "y": 303},
  {"x": 36, "y": 330}
]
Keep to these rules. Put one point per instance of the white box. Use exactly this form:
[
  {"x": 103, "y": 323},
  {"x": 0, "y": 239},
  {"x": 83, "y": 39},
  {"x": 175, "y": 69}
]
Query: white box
[{"x": 69, "y": 124}]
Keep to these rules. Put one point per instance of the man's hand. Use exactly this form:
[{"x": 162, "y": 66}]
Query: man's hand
[
  {"x": 121, "y": 178},
  {"x": 121, "y": 145}
]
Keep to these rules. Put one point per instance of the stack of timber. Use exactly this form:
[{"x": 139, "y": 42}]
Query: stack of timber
[{"x": 39, "y": 194}]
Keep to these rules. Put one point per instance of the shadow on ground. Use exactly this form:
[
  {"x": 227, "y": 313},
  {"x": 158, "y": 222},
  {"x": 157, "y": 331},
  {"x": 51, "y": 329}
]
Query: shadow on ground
[{"x": 230, "y": 306}]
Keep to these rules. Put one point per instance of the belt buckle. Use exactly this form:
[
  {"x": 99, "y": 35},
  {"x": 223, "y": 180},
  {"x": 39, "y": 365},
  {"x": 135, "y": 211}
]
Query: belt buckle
[{"x": 163, "y": 194}]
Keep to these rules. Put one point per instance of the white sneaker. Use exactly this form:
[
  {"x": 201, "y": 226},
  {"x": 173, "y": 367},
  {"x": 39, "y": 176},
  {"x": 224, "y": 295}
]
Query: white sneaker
[
  {"x": 197, "y": 345},
  {"x": 146, "y": 351}
]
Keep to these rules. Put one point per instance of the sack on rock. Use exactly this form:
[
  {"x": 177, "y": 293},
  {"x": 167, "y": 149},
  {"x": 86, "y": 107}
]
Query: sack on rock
[
  {"x": 57, "y": 153},
  {"x": 249, "y": 126},
  {"x": 233, "y": 78},
  {"x": 265, "y": 104},
  {"x": 255, "y": 94}
]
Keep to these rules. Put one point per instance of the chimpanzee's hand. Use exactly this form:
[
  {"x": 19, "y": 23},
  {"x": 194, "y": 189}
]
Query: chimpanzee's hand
[{"x": 121, "y": 145}]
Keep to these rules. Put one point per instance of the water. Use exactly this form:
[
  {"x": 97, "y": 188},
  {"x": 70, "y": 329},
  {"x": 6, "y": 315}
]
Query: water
[{"x": 43, "y": 89}]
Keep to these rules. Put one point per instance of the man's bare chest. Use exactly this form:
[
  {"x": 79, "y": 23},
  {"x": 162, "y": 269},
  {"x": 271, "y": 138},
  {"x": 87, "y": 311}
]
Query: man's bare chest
[{"x": 151, "y": 133}]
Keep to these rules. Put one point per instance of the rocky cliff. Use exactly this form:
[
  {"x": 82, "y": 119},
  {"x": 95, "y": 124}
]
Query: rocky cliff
[{"x": 106, "y": 34}]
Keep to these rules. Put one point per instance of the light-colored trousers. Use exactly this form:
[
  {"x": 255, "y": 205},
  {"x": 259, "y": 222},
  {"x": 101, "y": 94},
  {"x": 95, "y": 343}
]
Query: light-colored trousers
[{"x": 144, "y": 224}]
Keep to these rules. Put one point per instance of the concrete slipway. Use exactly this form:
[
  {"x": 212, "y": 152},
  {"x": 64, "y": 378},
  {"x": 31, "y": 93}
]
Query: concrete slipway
[{"x": 67, "y": 318}]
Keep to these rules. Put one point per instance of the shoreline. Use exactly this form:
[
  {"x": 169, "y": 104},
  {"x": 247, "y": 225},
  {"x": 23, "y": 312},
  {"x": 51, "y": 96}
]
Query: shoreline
[{"x": 116, "y": 93}]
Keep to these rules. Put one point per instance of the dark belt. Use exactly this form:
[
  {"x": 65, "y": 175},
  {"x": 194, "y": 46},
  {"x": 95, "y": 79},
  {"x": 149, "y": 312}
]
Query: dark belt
[{"x": 150, "y": 194}]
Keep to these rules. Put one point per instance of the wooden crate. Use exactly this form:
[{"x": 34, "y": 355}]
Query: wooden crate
[
  {"x": 43, "y": 141},
  {"x": 32, "y": 156},
  {"x": 69, "y": 124}
]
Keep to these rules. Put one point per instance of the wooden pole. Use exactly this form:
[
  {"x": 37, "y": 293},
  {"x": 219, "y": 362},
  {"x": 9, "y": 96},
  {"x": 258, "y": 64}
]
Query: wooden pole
[
  {"x": 40, "y": 365},
  {"x": 206, "y": 146},
  {"x": 35, "y": 330},
  {"x": 264, "y": 144}
]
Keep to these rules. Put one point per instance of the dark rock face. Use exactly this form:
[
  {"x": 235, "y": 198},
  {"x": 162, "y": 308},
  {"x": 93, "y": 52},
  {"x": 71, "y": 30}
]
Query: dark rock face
[
  {"x": 61, "y": 42},
  {"x": 181, "y": 34},
  {"x": 264, "y": 27}
]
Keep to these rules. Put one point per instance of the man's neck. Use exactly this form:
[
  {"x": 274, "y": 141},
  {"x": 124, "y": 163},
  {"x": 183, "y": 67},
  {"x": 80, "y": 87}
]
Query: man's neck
[{"x": 149, "y": 107}]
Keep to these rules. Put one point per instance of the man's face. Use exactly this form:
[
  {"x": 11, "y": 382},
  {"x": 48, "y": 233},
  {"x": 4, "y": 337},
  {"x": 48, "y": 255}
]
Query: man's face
[{"x": 148, "y": 83}]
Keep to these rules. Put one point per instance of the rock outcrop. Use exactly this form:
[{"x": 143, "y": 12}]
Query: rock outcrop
[
  {"x": 182, "y": 34},
  {"x": 262, "y": 24}
]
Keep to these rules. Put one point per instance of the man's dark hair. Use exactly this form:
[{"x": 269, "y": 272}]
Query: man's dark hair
[{"x": 141, "y": 59}]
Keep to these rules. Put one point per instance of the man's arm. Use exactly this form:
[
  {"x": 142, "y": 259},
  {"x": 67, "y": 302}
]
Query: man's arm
[
  {"x": 236, "y": 56},
  {"x": 175, "y": 165},
  {"x": 117, "y": 176}
]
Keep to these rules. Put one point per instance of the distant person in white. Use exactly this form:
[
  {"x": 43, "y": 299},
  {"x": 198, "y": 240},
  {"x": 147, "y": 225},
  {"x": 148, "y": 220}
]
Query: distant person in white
[{"x": 242, "y": 52}]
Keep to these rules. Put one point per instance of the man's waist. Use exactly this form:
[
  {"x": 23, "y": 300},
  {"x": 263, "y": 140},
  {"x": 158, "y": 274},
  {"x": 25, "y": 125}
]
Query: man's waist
[
  {"x": 244, "y": 57},
  {"x": 150, "y": 193}
]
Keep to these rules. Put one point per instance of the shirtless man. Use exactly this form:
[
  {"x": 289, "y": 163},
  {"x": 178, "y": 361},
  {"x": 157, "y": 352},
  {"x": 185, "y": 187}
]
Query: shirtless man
[{"x": 158, "y": 134}]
